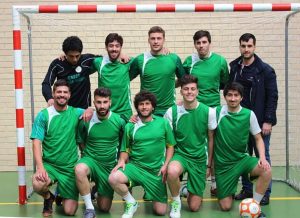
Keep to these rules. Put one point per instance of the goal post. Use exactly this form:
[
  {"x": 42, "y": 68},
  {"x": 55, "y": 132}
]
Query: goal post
[{"x": 19, "y": 11}]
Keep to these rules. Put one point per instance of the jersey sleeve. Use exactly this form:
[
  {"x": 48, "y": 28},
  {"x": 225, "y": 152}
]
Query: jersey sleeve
[
  {"x": 254, "y": 126},
  {"x": 39, "y": 127},
  {"x": 82, "y": 132},
  {"x": 170, "y": 139},
  {"x": 168, "y": 116},
  {"x": 125, "y": 146},
  {"x": 224, "y": 73},
  {"x": 134, "y": 68},
  {"x": 80, "y": 112},
  {"x": 187, "y": 65},
  {"x": 49, "y": 80},
  {"x": 212, "y": 118},
  {"x": 179, "y": 68}
]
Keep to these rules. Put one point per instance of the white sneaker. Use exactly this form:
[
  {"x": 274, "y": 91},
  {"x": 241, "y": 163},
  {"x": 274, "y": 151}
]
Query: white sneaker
[
  {"x": 130, "y": 210},
  {"x": 175, "y": 209}
]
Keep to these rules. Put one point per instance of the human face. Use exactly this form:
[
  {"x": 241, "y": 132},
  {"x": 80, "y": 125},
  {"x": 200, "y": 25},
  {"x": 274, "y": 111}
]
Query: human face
[
  {"x": 233, "y": 100},
  {"x": 202, "y": 46},
  {"x": 61, "y": 96},
  {"x": 102, "y": 105},
  {"x": 156, "y": 42},
  {"x": 189, "y": 92},
  {"x": 247, "y": 49},
  {"x": 73, "y": 57},
  {"x": 114, "y": 50},
  {"x": 145, "y": 109}
]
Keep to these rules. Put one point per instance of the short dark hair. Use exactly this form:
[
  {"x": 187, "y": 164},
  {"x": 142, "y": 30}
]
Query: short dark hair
[
  {"x": 143, "y": 96},
  {"x": 202, "y": 33},
  {"x": 113, "y": 37},
  {"x": 187, "y": 79},
  {"x": 156, "y": 29},
  {"x": 72, "y": 43},
  {"x": 235, "y": 86},
  {"x": 246, "y": 37},
  {"x": 102, "y": 92},
  {"x": 61, "y": 82}
]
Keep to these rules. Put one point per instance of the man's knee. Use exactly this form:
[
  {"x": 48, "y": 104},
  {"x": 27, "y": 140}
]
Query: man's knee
[
  {"x": 81, "y": 170},
  {"x": 160, "y": 209},
  {"x": 70, "y": 207}
]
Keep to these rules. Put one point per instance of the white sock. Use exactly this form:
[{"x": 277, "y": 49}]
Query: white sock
[
  {"x": 213, "y": 182},
  {"x": 257, "y": 197},
  {"x": 129, "y": 198},
  {"x": 176, "y": 198},
  {"x": 88, "y": 201}
]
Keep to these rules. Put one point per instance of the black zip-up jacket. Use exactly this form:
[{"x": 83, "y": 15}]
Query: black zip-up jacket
[
  {"x": 263, "y": 93},
  {"x": 76, "y": 75}
]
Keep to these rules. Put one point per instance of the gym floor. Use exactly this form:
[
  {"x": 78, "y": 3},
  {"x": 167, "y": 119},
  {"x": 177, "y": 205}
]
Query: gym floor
[{"x": 284, "y": 203}]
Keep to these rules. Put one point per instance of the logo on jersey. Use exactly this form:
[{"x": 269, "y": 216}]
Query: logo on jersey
[{"x": 78, "y": 69}]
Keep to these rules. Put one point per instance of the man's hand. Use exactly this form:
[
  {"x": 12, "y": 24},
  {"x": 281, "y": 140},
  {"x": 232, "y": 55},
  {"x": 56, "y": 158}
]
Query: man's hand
[
  {"x": 263, "y": 163},
  {"x": 50, "y": 102},
  {"x": 62, "y": 57},
  {"x": 208, "y": 172},
  {"x": 41, "y": 175},
  {"x": 134, "y": 118},
  {"x": 124, "y": 58},
  {"x": 266, "y": 128},
  {"x": 165, "y": 51},
  {"x": 121, "y": 164},
  {"x": 88, "y": 114},
  {"x": 163, "y": 172}
]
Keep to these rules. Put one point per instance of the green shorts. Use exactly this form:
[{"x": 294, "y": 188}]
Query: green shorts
[
  {"x": 99, "y": 174},
  {"x": 227, "y": 177},
  {"x": 155, "y": 189},
  {"x": 196, "y": 174},
  {"x": 65, "y": 179}
]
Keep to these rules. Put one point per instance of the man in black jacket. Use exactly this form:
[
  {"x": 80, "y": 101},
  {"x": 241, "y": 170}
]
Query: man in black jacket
[{"x": 260, "y": 95}]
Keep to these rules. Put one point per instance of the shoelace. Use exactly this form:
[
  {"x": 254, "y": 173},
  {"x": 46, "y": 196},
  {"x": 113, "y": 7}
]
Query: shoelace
[{"x": 128, "y": 206}]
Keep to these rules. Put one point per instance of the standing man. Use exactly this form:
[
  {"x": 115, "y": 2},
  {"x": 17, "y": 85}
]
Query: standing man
[
  {"x": 75, "y": 69},
  {"x": 193, "y": 122},
  {"x": 157, "y": 71},
  {"x": 230, "y": 151},
  {"x": 100, "y": 152},
  {"x": 148, "y": 146},
  {"x": 261, "y": 95},
  {"x": 114, "y": 75},
  {"x": 210, "y": 68},
  {"x": 55, "y": 150}
]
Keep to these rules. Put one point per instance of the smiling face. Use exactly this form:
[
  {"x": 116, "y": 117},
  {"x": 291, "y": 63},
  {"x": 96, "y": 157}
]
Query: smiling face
[
  {"x": 189, "y": 92},
  {"x": 233, "y": 99},
  {"x": 114, "y": 50},
  {"x": 145, "y": 109},
  {"x": 61, "y": 96}
]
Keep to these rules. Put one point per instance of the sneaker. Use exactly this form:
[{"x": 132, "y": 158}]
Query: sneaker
[
  {"x": 243, "y": 195},
  {"x": 265, "y": 200},
  {"x": 175, "y": 209},
  {"x": 58, "y": 199},
  {"x": 130, "y": 210},
  {"x": 89, "y": 213},
  {"x": 213, "y": 192},
  {"x": 262, "y": 215},
  {"x": 94, "y": 192},
  {"x": 47, "y": 210}
]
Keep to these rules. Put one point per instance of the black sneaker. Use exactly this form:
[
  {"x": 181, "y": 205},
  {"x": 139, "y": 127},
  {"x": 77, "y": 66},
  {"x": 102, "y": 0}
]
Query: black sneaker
[
  {"x": 265, "y": 200},
  {"x": 262, "y": 215},
  {"x": 58, "y": 199},
  {"x": 47, "y": 210},
  {"x": 243, "y": 195},
  {"x": 94, "y": 192},
  {"x": 213, "y": 192}
]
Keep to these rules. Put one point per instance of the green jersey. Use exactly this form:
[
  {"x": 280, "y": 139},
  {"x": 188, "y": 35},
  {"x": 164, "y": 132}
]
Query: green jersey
[
  {"x": 232, "y": 134},
  {"x": 146, "y": 142},
  {"x": 101, "y": 138},
  {"x": 115, "y": 76},
  {"x": 211, "y": 73},
  {"x": 57, "y": 131},
  {"x": 190, "y": 129},
  {"x": 157, "y": 74}
]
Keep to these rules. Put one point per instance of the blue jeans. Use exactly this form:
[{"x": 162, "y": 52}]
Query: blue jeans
[{"x": 247, "y": 185}]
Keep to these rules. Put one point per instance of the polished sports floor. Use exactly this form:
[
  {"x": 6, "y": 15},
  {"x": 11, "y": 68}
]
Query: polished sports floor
[{"x": 285, "y": 203}]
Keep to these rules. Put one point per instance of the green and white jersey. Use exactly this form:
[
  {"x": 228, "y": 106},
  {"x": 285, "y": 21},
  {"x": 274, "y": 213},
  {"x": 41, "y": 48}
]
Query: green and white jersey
[
  {"x": 190, "y": 129},
  {"x": 146, "y": 142},
  {"x": 101, "y": 138},
  {"x": 211, "y": 72},
  {"x": 232, "y": 134},
  {"x": 115, "y": 76},
  {"x": 157, "y": 74},
  {"x": 57, "y": 131}
]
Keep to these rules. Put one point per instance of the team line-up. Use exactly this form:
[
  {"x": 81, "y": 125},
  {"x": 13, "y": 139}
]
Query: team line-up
[{"x": 196, "y": 137}]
